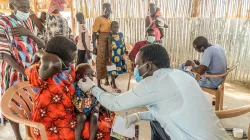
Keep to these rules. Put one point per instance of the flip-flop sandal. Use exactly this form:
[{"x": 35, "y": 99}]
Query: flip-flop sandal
[{"x": 116, "y": 90}]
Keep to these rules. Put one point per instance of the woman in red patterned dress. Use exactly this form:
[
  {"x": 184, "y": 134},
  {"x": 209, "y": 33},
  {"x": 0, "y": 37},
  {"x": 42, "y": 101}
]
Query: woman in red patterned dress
[{"x": 52, "y": 80}]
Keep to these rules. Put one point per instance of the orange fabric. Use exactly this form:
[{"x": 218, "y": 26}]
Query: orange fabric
[
  {"x": 105, "y": 124},
  {"x": 102, "y": 24},
  {"x": 52, "y": 103},
  {"x": 158, "y": 13}
]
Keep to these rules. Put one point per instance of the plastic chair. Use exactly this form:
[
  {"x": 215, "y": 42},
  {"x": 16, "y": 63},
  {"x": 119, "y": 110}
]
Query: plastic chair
[
  {"x": 223, "y": 114},
  {"x": 22, "y": 94},
  {"x": 218, "y": 93}
]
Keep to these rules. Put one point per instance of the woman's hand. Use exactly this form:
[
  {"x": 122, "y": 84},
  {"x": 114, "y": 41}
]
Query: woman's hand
[
  {"x": 86, "y": 84},
  {"x": 21, "y": 31},
  {"x": 88, "y": 56}
]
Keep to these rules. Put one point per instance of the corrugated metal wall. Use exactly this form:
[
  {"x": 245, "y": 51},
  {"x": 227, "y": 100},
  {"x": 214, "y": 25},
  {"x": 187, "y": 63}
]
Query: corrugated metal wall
[{"x": 233, "y": 34}]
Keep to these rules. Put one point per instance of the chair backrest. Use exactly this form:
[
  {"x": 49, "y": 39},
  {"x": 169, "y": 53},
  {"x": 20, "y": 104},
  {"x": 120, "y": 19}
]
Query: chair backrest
[
  {"x": 223, "y": 76},
  {"x": 226, "y": 74},
  {"x": 223, "y": 114},
  {"x": 17, "y": 105}
]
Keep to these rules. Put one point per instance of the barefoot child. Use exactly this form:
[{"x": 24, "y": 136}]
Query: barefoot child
[
  {"x": 116, "y": 52},
  {"x": 86, "y": 105}
]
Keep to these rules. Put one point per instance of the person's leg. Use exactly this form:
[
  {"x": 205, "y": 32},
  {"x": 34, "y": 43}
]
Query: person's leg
[
  {"x": 80, "y": 120},
  {"x": 93, "y": 126},
  {"x": 207, "y": 83},
  {"x": 157, "y": 132},
  {"x": 106, "y": 81},
  {"x": 182, "y": 68},
  {"x": 113, "y": 84},
  {"x": 99, "y": 85},
  {"x": 15, "y": 128},
  {"x": 81, "y": 58}
]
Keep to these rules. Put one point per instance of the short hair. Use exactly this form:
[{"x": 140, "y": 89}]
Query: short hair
[
  {"x": 151, "y": 4},
  {"x": 61, "y": 46},
  {"x": 113, "y": 23},
  {"x": 106, "y": 5},
  {"x": 150, "y": 30},
  {"x": 79, "y": 15},
  {"x": 157, "y": 54},
  {"x": 200, "y": 41},
  {"x": 158, "y": 9},
  {"x": 82, "y": 67}
]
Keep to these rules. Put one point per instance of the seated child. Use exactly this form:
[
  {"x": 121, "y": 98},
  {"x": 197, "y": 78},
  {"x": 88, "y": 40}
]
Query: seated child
[{"x": 86, "y": 105}]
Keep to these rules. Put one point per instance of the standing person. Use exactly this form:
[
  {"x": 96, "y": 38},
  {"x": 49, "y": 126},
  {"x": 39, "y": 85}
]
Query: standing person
[
  {"x": 18, "y": 44},
  {"x": 55, "y": 23},
  {"x": 150, "y": 19},
  {"x": 150, "y": 38},
  {"x": 116, "y": 51},
  {"x": 101, "y": 28},
  {"x": 164, "y": 92},
  {"x": 83, "y": 43}
]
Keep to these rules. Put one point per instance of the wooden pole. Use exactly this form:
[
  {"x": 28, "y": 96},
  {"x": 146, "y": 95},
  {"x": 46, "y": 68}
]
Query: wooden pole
[
  {"x": 195, "y": 8},
  {"x": 35, "y": 7},
  {"x": 72, "y": 17},
  {"x": 239, "y": 9}
]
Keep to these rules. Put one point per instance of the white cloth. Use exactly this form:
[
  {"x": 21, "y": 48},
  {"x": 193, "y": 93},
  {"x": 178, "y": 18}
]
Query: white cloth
[
  {"x": 83, "y": 29},
  {"x": 175, "y": 100}
]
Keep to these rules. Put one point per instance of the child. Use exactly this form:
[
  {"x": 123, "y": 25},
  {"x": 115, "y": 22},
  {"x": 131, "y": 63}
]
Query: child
[
  {"x": 116, "y": 52},
  {"x": 83, "y": 45},
  {"x": 51, "y": 79},
  {"x": 159, "y": 20},
  {"x": 86, "y": 104}
]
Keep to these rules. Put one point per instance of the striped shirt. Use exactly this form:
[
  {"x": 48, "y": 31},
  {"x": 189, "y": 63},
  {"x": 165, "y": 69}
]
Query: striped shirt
[{"x": 22, "y": 49}]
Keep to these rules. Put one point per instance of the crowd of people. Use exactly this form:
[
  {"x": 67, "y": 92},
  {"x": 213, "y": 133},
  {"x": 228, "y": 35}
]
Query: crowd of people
[{"x": 43, "y": 51}]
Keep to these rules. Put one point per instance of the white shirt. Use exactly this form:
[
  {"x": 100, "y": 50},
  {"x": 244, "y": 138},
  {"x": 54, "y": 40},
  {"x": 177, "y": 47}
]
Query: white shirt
[
  {"x": 175, "y": 100},
  {"x": 83, "y": 29}
]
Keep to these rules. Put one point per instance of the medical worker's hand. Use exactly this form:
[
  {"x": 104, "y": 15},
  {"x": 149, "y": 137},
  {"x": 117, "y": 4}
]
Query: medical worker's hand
[
  {"x": 86, "y": 84},
  {"x": 132, "y": 119}
]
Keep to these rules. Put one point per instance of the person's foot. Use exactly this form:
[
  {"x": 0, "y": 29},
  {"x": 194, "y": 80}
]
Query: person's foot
[
  {"x": 106, "y": 83},
  {"x": 114, "y": 88}
]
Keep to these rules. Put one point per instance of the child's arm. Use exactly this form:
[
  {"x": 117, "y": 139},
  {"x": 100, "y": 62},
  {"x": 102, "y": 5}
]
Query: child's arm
[{"x": 50, "y": 64}]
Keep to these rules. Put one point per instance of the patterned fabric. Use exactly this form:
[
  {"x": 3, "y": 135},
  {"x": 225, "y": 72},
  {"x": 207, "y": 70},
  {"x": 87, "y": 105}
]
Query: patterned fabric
[
  {"x": 21, "y": 49},
  {"x": 56, "y": 5},
  {"x": 52, "y": 103},
  {"x": 102, "y": 57},
  {"x": 56, "y": 25},
  {"x": 84, "y": 101},
  {"x": 118, "y": 50},
  {"x": 105, "y": 124}
]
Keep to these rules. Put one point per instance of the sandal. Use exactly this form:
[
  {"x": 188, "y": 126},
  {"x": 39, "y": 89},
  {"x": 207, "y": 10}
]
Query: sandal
[{"x": 116, "y": 90}]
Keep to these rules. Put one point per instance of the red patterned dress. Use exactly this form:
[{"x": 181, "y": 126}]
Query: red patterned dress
[{"x": 52, "y": 103}]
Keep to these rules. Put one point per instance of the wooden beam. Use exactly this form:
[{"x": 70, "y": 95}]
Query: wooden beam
[
  {"x": 195, "y": 8},
  {"x": 248, "y": 13},
  {"x": 239, "y": 9},
  {"x": 72, "y": 17},
  {"x": 35, "y": 7},
  {"x": 227, "y": 14}
]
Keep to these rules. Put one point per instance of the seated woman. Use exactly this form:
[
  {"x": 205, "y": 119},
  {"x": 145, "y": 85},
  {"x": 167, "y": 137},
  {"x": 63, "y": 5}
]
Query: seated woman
[{"x": 51, "y": 78}]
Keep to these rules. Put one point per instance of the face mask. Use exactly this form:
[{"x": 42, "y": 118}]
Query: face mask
[
  {"x": 137, "y": 76},
  {"x": 151, "y": 39},
  {"x": 21, "y": 15}
]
